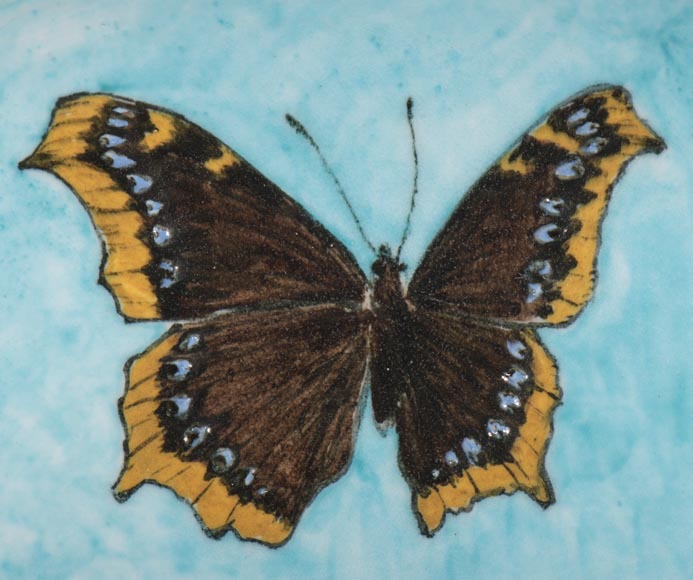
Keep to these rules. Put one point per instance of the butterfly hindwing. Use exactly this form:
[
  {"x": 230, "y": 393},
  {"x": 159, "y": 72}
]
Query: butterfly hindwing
[
  {"x": 248, "y": 415},
  {"x": 475, "y": 417},
  {"x": 522, "y": 244},
  {"x": 189, "y": 227}
]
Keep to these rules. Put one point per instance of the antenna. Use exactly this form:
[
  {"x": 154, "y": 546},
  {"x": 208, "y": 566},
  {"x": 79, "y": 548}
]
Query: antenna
[
  {"x": 415, "y": 187},
  {"x": 303, "y": 132}
]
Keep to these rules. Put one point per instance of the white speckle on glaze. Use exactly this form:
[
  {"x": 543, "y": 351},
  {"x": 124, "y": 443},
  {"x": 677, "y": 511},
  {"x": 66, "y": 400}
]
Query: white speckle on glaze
[
  {"x": 171, "y": 271},
  {"x": 534, "y": 292},
  {"x": 515, "y": 377}
]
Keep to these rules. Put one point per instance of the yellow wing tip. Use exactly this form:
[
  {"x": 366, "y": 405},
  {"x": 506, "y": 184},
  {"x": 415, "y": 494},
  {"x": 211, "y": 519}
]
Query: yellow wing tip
[
  {"x": 71, "y": 115},
  {"x": 619, "y": 103},
  {"x": 109, "y": 206},
  {"x": 31, "y": 162},
  {"x": 39, "y": 159}
]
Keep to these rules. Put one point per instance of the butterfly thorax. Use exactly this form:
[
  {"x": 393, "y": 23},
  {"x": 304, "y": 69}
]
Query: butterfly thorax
[
  {"x": 388, "y": 292},
  {"x": 390, "y": 335}
]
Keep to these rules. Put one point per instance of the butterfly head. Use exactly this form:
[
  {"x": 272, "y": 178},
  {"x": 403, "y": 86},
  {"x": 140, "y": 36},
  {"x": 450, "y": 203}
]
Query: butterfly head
[
  {"x": 388, "y": 289},
  {"x": 386, "y": 263}
]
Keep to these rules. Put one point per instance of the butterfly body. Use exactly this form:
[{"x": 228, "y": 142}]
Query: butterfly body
[
  {"x": 391, "y": 336},
  {"x": 249, "y": 405}
]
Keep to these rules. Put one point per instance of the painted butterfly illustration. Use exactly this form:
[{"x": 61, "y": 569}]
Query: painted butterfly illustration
[{"x": 249, "y": 405}]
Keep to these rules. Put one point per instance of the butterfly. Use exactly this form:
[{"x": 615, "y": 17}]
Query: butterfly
[{"x": 249, "y": 405}]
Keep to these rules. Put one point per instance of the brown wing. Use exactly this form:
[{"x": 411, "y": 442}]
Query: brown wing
[
  {"x": 474, "y": 415},
  {"x": 522, "y": 244},
  {"x": 246, "y": 416},
  {"x": 189, "y": 227}
]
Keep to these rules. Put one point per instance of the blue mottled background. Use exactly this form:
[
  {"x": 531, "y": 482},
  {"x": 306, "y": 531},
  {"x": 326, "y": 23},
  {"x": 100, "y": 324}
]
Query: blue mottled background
[{"x": 621, "y": 460}]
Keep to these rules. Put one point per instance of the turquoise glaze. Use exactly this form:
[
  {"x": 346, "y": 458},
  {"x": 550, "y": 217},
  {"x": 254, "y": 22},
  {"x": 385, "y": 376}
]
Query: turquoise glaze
[{"x": 480, "y": 74}]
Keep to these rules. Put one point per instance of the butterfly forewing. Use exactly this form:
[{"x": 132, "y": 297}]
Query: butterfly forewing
[
  {"x": 189, "y": 227},
  {"x": 522, "y": 244},
  {"x": 247, "y": 416}
]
